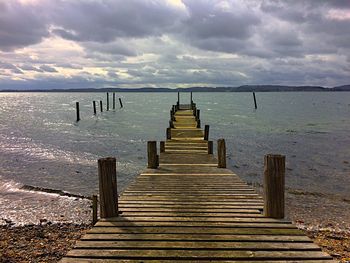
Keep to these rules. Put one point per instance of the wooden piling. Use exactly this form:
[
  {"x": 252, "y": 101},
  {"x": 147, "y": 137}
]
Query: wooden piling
[
  {"x": 198, "y": 123},
  {"x": 101, "y": 106},
  {"x": 274, "y": 185},
  {"x": 221, "y": 153},
  {"x": 198, "y": 114},
  {"x": 168, "y": 133},
  {"x": 178, "y": 98},
  {"x": 77, "y": 110},
  {"x": 121, "y": 103},
  {"x": 94, "y": 209},
  {"x": 108, "y": 187},
  {"x": 162, "y": 146},
  {"x": 152, "y": 154},
  {"x": 94, "y": 106},
  {"x": 210, "y": 147},
  {"x": 255, "y": 100},
  {"x": 107, "y": 101},
  {"x": 171, "y": 124},
  {"x": 191, "y": 101},
  {"x": 113, "y": 100},
  {"x": 206, "y": 132}
]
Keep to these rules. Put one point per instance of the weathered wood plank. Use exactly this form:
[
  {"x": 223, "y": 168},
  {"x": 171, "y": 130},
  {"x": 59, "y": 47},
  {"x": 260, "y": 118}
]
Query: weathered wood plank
[{"x": 197, "y": 254}]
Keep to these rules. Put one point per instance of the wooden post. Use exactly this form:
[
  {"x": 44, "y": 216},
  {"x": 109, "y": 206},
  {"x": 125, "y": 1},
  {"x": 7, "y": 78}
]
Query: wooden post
[
  {"x": 210, "y": 147},
  {"x": 162, "y": 146},
  {"x": 94, "y": 106},
  {"x": 206, "y": 132},
  {"x": 274, "y": 185},
  {"x": 121, "y": 103},
  {"x": 77, "y": 110},
  {"x": 191, "y": 101},
  {"x": 221, "y": 153},
  {"x": 113, "y": 100},
  {"x": 255, "y": 100},
  {"x": 94, "y": 209},
  {"x": 107, "y": 101},
  {"x": 101, "y": 106},
  {"x": 152, "y": 154},
  {"x": 198, "y": 114},
  {"x": 168, "y": 133},
  {"x": 108, "y": 187},
  {"x": 178, "y": 98},
  {"x": 198, "y": 123},
  {"x": 171, "y": 124}
]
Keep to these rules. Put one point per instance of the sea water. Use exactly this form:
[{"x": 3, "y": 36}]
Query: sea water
[{"x": 42, "y": 145}]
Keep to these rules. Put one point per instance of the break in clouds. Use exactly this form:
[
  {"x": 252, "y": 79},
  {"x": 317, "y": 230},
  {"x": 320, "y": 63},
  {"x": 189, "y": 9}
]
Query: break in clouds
[{"x": 174, "y": 43}]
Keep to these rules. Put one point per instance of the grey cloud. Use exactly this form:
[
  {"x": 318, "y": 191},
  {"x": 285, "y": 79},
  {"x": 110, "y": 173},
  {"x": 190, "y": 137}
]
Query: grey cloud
[
  {"x": 47, "y": 68},
  {"x": 207, "y": 20},
  {"x": 30, "y": 67},
  {"x": 20, "y": 25},
  {"x": 104, "y": 21},
  {"x": 113, "y": 48}
]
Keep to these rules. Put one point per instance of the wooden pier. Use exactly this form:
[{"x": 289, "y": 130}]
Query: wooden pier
[{"x": 189, "y": 210}]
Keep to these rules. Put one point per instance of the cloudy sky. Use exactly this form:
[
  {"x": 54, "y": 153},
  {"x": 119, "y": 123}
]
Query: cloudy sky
[{"x": 173, "y": 43}]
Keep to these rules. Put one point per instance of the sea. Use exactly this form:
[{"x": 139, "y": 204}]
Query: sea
[{"x": 48, "y": 161}]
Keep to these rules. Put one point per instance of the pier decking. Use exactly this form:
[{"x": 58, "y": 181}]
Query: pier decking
[{"x": 189, "y": 210}]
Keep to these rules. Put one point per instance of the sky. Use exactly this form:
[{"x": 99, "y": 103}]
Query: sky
[{"x": 64, "y": 44}]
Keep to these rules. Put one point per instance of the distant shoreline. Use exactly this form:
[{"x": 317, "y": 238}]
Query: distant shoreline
[{"x": 245, "y": 88}]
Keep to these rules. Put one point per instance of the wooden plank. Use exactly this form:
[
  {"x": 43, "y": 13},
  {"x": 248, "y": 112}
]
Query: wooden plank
[
  {"x": 195, "y": 230},
  {"x": 186, "y": 245},
  {"x": 196, "y": 237},
  {"x": 198, "y": 254}
]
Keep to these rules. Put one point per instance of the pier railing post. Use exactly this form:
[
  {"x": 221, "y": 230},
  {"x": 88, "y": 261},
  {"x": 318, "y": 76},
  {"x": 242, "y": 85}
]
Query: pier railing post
[
  {"x": 152, "y": 154},
  {"x": 168, "y": 133},
  {"x": 198, "y": 114},
  {"x": 108, "y": 187},
  {"x": 94, "y": 209},
  {"x": 221, "y": 153},
  {"x": 206, "y": 132},
  {"x": 107, "y": 101},
  {"x": 274, "y": 185},
  {"x": 210, "y": 147},
  {"x": 198, "y": 123},
  {"x": 254, "y": 101},
  {"x": 94, "y": 106},
  {"x": 78, "y": 111},
  {"x": 162, "y": 146},
  {"x": 113, "y": 100},
  {"x": 101, "y": 106}
]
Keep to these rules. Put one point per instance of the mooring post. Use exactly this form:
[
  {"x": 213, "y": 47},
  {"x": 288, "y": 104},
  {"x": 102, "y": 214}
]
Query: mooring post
[
  {"x": 255, "y": 100},
  {"x": 221, "y": 153},
  {"x": 94, "y": 106},
  {"x": 121, "y": 103},
  {"x": 198, "y": 123},
  {"x": 178, "y": 99},
  {"x": 206, "y": 132},
  {"x": 168, "y": 133},
  {"x": 77, "y": 110},
  {"x": 198, "y": 115},
  {"x": 94, "y": 209},
  {"x": 152, "y": 154},
  {"x": 113, "y": 100},
  {"x": 162, "y": 146},
  {"x": 107, "y": 101},
  {"x": 108, "y": 187},
  {"x": 101, "y": 106},
  {"x": 274, "y": 185},
  {"x": 171, "y": 124},
  {"x": 210, "y": 147},
  {"x": 191, "y": 101}
]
